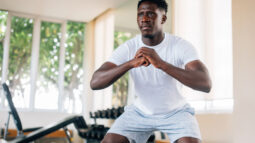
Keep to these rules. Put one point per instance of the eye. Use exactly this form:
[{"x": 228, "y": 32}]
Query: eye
[
  {"x": 140, "y": 14},
  {"x": 151, "y": 14}
]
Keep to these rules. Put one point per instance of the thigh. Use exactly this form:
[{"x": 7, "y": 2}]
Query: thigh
[
  {"x": 132, "y": 125},
  {"x": 181, "y": 125},
  {"x": 188, "y": 140},
  {"x": 114, "y": 138}
]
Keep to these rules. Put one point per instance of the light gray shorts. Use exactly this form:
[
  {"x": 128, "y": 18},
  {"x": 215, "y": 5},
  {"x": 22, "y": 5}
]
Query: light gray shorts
[{"x": 137, "y": 126}]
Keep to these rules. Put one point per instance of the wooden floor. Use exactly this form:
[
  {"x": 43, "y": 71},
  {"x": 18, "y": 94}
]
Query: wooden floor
[{"x": 162, "y": 141}]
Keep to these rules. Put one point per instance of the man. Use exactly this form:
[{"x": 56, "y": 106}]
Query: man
[{"x": 156, "y": 61}]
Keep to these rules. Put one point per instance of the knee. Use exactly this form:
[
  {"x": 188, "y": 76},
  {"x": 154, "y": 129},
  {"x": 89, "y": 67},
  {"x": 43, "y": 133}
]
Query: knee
[
  {"x": 104, "y": 141},
  {"x": 114, "y": 138},
  {"x": 107, "y": 140}
]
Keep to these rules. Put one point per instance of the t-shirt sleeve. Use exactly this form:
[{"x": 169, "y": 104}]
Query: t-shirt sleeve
[
  {"x": 119, "y": 55},
  {"x": 187, "y": 52}
]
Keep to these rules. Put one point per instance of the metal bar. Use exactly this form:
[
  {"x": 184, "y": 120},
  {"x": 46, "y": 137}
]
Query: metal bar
[
  {"x": 68, "y": 136},
  {"x": 7, "y": 126}
]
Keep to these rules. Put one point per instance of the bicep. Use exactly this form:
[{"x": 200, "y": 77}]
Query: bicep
[
  {"x": 106, "y": 66},
  {"x": 196, "y": 65}
]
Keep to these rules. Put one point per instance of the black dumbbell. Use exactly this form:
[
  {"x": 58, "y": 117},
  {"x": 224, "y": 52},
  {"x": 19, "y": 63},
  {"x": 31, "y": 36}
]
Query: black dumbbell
[
  {"x": 91, "y": 115},
  {"x": 100, "y": 135},
  {"x": 93, "y": 134},
  {"x": 120, "y": 110},
  {"x": 115, "y": 113},
  {"x": 100, "y": 112},
  {"x": 104, "y": 114},
  {"x": 108, "y": 113},
  {"x": 96, "y": 114}
]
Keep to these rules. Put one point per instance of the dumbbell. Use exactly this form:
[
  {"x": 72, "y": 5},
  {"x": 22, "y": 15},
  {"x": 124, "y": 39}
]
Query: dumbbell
[
  {"x": 115, "y": 113},
  {"x": 108, "y": 113},
  {"x": 91, "y": 115},
  {"x": 98, "y": 131},
  {"x": 102, "y": 133},
  {"x": 96, "y": 114},
  {"x": 104, "y": 114},
  {"x": 120, "y": 110},
  {"x": 99, "y": 113}
]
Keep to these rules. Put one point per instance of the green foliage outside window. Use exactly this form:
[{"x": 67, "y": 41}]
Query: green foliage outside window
[
  {"x": 73, "y": 66},
  {"x": 49, "y": 61},
  {"x": 20, "y": 59},
  {"x": 120, "y": 87},
  {"x": 49, "y": 51},
  {"x": 74, "y": 53}
]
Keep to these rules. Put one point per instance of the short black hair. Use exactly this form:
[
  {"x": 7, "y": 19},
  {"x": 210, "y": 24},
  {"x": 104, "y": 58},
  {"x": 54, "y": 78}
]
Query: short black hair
[{"x": 160, "y": 3}]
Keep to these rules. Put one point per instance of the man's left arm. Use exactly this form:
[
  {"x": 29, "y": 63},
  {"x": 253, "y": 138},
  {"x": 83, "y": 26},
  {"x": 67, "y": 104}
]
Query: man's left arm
[{"x": 195, "y": 75}]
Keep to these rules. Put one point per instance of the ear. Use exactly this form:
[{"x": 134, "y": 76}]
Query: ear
[{"x": 164, "y": 18}]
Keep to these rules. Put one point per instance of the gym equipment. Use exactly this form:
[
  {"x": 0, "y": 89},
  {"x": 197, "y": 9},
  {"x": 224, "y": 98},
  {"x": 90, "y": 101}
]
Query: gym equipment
[
  {"x": 113, "y": 113},
  {"x": 92, "y": 133},
  {"x": 151, "y": 139},
  {"x": 95, "y": 133},
  {"x": 39, "y": 132}
]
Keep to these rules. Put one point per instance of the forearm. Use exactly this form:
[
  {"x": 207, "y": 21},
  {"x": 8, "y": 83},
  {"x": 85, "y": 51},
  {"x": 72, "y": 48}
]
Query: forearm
[
  {"x": 105, "y": 77},
  {"x": 196, "y": 79}
]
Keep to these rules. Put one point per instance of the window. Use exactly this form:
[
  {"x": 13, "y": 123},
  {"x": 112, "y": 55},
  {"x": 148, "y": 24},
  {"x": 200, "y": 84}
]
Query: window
[
  {"x": 58, "y": 58},
  {"x": 73, "y": 67},
  {"x": 19, "y": 60},
  {"x": 46, "y": 85}
]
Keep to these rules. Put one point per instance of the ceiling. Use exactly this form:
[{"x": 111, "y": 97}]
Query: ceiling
[
  {"x": 82, "y": 10},
  {"x": 76, "y": 10}
]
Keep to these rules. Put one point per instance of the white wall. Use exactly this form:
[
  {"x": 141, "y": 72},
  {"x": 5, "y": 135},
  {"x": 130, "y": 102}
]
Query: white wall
[
  {"x": 239, "y": 126},
  {"x": 216, "y": 128},
  {"x": 244, "y": 70}
]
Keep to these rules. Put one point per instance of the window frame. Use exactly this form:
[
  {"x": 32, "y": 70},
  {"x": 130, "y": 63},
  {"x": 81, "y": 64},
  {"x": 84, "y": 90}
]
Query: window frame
[{"x": 35, "y": 58}]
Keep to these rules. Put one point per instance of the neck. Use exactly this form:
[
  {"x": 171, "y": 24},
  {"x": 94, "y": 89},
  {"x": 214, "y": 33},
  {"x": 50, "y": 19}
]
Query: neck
[{"x": 153, "y": 40}]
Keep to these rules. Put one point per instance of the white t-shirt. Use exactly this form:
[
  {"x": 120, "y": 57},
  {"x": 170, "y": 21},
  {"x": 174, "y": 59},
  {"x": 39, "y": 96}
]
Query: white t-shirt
[{"x": 156, "y": 91}]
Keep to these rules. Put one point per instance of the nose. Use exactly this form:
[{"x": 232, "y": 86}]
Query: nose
[{"x": 145, "y": 18}]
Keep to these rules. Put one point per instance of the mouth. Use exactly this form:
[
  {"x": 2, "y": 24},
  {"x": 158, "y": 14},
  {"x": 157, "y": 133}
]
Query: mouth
[{"x": 146, "y": 27}]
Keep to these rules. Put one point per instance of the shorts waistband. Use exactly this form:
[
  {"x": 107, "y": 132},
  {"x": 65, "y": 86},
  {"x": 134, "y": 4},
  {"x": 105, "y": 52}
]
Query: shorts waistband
[{"x": 185, "y": 108}]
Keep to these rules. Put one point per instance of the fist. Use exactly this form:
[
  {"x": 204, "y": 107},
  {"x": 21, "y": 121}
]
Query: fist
[{"x": 140, "y": 55}]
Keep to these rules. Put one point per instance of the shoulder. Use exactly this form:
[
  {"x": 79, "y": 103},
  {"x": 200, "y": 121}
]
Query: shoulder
[
  {"x": 176, "y": 40},
  {"x": 133, "y": 40},
  {"x": 131, "y": 43},
  {"x": 180, "y": 43}
]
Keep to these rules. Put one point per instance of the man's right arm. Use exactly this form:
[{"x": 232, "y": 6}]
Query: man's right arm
[{"x": 108, "y": 73}]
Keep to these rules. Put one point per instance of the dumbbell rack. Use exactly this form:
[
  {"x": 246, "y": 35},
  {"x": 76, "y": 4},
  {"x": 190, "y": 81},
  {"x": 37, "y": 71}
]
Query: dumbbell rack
[
  {"x": 97, "y": 132},
  {"x": 113, "y": 113}
]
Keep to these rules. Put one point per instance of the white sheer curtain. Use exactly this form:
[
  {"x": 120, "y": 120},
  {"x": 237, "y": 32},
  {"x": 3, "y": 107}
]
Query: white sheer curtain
[
  {"x": 207, "y": 24},
  {"x": 104, "y": 44}
]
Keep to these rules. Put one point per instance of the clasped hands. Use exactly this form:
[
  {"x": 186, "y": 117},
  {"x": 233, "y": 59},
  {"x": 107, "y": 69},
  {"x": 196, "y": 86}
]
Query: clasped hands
[{"x": 146, "y": 56}]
